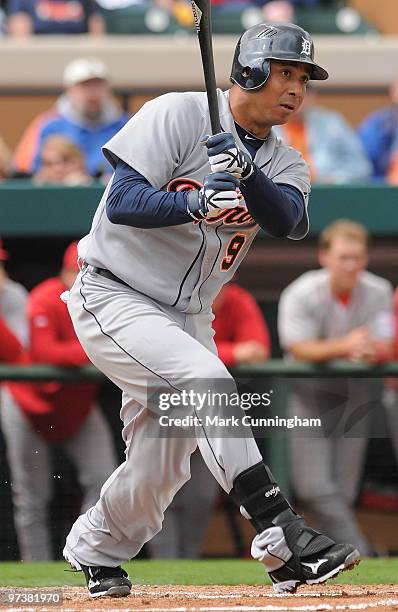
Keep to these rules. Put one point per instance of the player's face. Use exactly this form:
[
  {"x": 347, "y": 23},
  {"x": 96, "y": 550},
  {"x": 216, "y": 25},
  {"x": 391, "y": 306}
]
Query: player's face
[
  {"x": 273, "y": 104},
  {"x": 344, "y": 259},
  {"x": 283, "y": 93},
  {"x": 89, "y": 97}
]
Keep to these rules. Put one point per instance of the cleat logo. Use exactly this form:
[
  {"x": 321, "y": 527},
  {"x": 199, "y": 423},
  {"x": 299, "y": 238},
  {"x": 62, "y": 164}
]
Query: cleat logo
[
  {"x": 93, "y": 583},
  {"x": 272, "y": 492},
  {"x": 314, "y": 567}
]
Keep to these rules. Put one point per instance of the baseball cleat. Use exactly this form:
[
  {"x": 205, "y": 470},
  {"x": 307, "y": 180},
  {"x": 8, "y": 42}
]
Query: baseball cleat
[
  {"x": 106, "y": 581},
  {"x": 314, "y": 569}
]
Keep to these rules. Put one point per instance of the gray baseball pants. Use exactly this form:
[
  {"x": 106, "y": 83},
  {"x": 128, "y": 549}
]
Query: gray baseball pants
[
  {"x": 141, "y": 344},
  {"x": 90, "y": 449},
  {"x": 187, "y": 518}
]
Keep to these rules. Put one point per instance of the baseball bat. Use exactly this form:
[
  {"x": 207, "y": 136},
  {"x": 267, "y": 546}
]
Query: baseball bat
[{"x": 202, "y": 16}]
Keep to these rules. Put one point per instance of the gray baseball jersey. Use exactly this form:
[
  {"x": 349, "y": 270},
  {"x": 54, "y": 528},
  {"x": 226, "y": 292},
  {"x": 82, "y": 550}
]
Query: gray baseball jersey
[
  {"x": 308, "y": 310},
  {"x": 183, "y": 266}
]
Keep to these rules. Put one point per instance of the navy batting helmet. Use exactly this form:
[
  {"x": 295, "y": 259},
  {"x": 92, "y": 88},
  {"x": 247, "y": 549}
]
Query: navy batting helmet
[{"x": 266, "y": 41}]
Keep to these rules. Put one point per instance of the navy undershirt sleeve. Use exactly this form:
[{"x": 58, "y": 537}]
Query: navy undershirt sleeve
[
  {"x": 133, "y": 201},
  {"x": 276, "y": 208}
]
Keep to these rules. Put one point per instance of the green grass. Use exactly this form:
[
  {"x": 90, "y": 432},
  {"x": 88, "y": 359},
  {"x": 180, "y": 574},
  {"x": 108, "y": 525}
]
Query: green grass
[{"x": 228, "y": 572}]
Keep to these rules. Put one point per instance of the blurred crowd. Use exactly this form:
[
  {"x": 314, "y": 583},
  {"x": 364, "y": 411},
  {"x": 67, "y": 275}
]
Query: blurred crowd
[
  {"x": 62, "y": 145},
  {"x": 23, "y": 18},
  {"x": 338, "y": 311}
]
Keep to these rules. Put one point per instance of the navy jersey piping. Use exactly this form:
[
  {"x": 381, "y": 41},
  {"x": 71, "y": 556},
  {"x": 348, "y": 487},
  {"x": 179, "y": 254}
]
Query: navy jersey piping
[
  {"x": 191, "y": 266},
  {"x": 141, "y": 364},
  {"x": 212, "y": 268}
]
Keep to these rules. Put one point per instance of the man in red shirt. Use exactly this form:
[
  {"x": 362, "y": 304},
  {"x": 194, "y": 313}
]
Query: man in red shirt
[
  {"x": 10, "y": 347},
  {"x": 241, "y": 337},
  {"x": 241, "y": 334},
  {"x": 35, "y": 416}
]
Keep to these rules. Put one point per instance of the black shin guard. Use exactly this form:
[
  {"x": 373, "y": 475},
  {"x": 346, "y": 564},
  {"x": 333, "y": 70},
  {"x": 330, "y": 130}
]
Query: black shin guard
[{"x": 257, "y": 491}]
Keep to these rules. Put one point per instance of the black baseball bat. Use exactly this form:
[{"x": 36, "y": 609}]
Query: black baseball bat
[{"x": 202, "y": 15}]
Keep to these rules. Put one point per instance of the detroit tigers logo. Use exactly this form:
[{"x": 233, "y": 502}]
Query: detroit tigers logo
[
  {"x": 306, "y": 49},
  {"x": 234, "y": 216}
]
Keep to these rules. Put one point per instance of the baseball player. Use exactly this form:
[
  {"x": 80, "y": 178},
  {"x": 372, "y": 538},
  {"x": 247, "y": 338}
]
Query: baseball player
[{"x": 170, "y": 230}]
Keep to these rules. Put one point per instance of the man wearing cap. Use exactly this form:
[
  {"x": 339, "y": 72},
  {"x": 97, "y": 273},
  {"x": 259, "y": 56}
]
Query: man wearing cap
[
  {"x": 34, "y": 417},
  {"x": 12, "y": 314},
  {"x": 85, "y": 114}
]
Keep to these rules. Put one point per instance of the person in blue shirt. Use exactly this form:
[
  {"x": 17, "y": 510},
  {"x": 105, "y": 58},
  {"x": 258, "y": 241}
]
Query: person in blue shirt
[
  {"x": 379, "y": 135},
  {"x": 327, "y": 142},
  {"x": 27, "y": 17},
  {"x": 85, "y": 114}
]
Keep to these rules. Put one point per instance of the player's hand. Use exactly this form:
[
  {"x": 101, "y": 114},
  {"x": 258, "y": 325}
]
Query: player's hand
[
  {"x": 225, "y": 156},
  {"x": 218, "y": 193},
  {"x": 357, "y": 344},
  {"x": 250, "y": 352}
]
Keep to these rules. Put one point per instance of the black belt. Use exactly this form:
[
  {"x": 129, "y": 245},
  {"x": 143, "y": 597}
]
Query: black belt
[{"x": 107, "y": 274}]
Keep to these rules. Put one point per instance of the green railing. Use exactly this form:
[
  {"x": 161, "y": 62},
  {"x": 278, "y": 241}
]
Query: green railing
[
  {"x": 273, "y": 368},
  {"x": 26, "y": 210}
]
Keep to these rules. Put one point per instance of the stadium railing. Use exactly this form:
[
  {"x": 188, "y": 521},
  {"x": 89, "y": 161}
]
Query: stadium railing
[{"x": 27, "y": 210}]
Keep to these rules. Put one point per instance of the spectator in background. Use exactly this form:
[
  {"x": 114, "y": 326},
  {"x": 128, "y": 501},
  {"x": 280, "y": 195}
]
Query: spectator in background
[
  {"x": 34, "y": 417},
  {"x": 241, "y": 337},
  {"x": 278, "y": 11},
  {"x": 272, "y": 10},
  {"x": 27, "y": 17},
  {"x": 86, "y": 114},
  {"x": 327, "y": 142},
  {"x": 12, "y": 314},
  {"x": 61, "y": 163},
  {"x": 5, "y": 160},
  {"x": 379, "y": 135},
  {"x": 341, "y": 311}
]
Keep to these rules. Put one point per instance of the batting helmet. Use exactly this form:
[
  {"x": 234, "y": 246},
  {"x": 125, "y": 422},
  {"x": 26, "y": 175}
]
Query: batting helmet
[{"x": 266, "y": 41}]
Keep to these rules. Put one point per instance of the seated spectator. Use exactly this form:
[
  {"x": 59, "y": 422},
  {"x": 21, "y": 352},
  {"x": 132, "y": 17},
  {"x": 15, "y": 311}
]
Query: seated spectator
[
  {"x": 5, "y": 160},
  {"x": 27, "y": 17},
  {"x": 341, "y": 311},
  {"x": 12, "y": 296},
  {"x": 336, "y": 157},
  {"x": 62, "y": 163},
  {"x": 241, "y": 336},
  {"x": 379, "y": 135},
  {"x": 278, "y": 11},
  {"x": 85, "y": 114},
  {"x": 37, "y": 417}
]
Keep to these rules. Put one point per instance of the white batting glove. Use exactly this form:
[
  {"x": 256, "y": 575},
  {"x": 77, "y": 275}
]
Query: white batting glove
[
  {"x": 225, "y": 156},
  {"x": 218, "y": 193}
]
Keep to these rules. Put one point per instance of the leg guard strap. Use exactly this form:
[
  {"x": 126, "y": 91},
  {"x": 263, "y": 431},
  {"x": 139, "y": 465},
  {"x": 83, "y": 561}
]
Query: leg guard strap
[{"x": 257, "y": 492}]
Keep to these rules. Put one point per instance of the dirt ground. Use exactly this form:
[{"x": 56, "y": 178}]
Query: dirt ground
[{"x": 217, "y": 599}]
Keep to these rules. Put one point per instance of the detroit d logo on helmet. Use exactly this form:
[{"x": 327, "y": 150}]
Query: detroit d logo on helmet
[{"x": 306, "y": 48}]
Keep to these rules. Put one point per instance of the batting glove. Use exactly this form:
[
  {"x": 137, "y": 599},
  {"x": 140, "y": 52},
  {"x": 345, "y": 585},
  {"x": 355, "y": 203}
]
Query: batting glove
[
  {"x": 218, "y": 193},
  {"x": 224, "y": 156}
]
